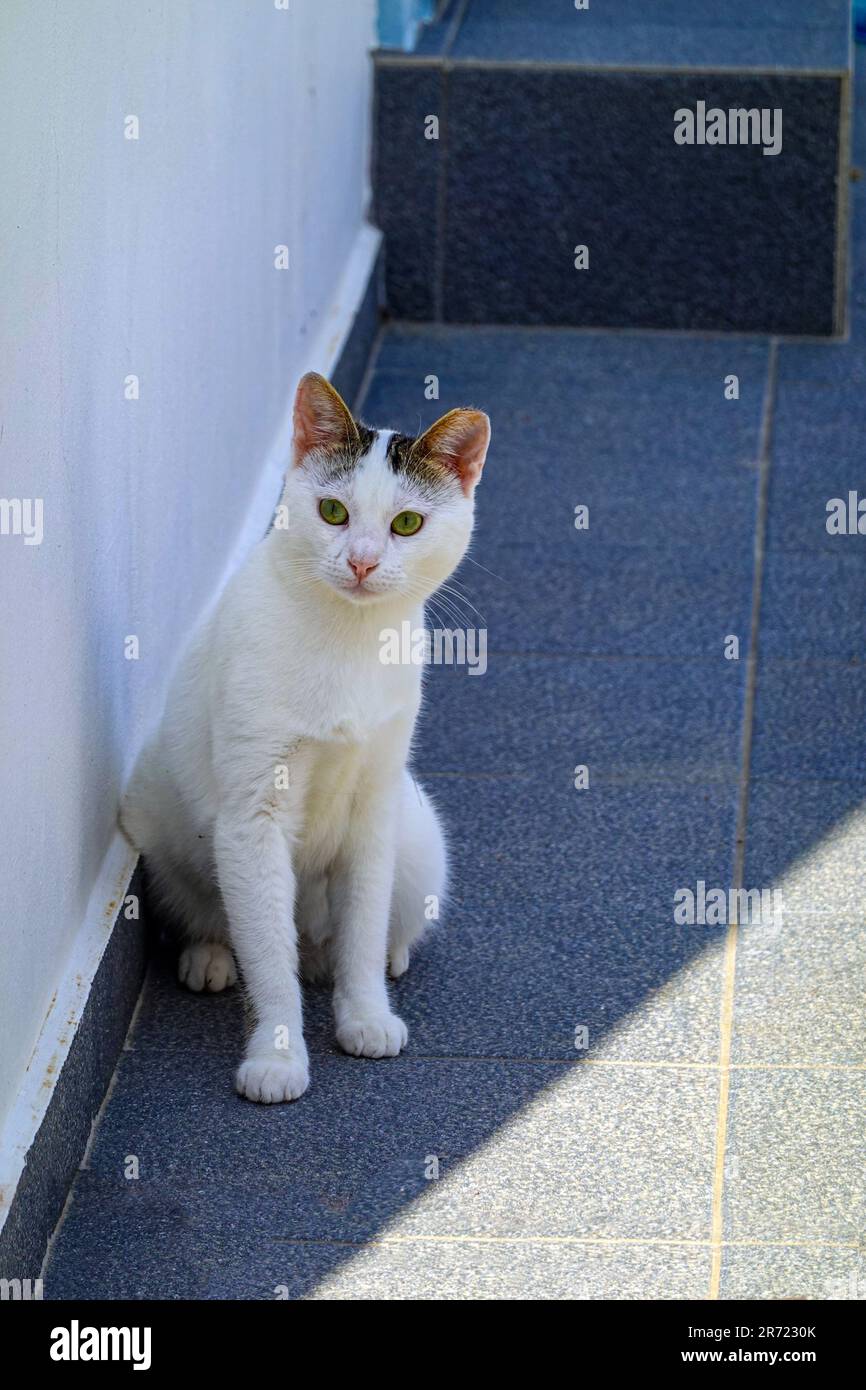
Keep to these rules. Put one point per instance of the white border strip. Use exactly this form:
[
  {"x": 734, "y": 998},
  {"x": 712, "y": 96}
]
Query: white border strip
[{"x": 62, "y": 1021}]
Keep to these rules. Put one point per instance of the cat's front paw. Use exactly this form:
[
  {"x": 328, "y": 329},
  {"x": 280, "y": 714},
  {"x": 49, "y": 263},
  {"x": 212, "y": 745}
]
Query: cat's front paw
[
  {"x": 378, "y": 1035},
  {"x": 270, "y": 1080},
  {"x": 207, "y": 965}
]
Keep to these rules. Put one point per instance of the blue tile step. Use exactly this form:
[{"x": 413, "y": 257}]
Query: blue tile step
[
  {"x": 556, "y": 130},
  {"x": 731, "y": 33}
]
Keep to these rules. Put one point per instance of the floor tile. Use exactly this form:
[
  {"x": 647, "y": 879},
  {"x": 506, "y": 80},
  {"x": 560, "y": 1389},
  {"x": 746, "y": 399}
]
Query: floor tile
[
  {"x": 610, "y": 599},
  {"x": 796, "y": 1156},
  {"x": 810, "y": 721},
  {"x": 678, "y": 720},
  {"x": 814, "y": 605},
  {"x": 807, "y": 840},
  {"x": 804, "y": 1272},
  {"x": 816, "y": 456},
  {"x": 530, "y": 1270},
  {"x": 799, "y": 992},
  {"x": 525, "y": 359}
]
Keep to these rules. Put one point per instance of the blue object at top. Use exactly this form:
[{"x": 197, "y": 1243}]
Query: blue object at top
[{"x": 400, "y": 20}]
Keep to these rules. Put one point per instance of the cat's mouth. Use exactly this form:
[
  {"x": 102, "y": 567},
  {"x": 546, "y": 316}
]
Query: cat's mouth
[{"x": 361, "y": 592}]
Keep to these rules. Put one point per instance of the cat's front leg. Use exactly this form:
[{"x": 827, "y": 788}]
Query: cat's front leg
[
  {"x": 362, "y": 885},
  {"x": 258, "y": 887}
]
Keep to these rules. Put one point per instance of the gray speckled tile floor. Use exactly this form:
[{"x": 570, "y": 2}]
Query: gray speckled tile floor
[{"x": 705, "y": 1138}]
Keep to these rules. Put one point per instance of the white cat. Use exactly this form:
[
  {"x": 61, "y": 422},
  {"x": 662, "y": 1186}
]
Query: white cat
[{"x": 273, "y": 805}]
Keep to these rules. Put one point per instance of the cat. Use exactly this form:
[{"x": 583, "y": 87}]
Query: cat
[{"x": 274, "y": 807}]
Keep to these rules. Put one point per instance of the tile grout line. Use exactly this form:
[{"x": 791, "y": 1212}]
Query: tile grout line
[
  {"x": 745, "y": 337},
  {"x": 844, "y": 221},
  {"x": 387, "y": 58},
  {"x": 431, "y": 1238},
  {"x": 726, "y": 1017}
]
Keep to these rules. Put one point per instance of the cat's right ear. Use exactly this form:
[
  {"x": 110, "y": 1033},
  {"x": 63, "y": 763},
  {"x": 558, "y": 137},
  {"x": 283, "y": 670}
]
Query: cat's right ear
[{"x": 322, "y": 420}]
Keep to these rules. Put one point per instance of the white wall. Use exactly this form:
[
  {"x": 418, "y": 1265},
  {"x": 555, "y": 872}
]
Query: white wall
[{"x": 153, "y": 257}]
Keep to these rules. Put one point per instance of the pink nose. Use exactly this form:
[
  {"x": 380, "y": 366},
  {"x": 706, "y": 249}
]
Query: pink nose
[{"x": 363, "y": 567}]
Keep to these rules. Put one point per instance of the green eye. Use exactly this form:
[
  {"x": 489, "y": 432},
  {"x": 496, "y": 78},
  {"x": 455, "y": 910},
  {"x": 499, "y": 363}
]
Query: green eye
[
  {"x": 333, "y": 512},
  {"x": 407, "y": 523}
]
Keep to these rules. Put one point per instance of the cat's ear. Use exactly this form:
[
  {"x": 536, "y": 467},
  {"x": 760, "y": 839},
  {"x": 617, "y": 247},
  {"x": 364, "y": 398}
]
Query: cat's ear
[
  {"x": 458, "y": 442},
  {"x": 322, "y": 420}
]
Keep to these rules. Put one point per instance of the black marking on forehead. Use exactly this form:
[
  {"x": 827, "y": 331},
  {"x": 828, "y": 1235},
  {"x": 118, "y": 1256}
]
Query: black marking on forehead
[
  {"x": 419, "y": 470},
  {"x": 341, "y": 461},
  {"x": 399, "y": 449},
  {"x": 366, "y": 439}
]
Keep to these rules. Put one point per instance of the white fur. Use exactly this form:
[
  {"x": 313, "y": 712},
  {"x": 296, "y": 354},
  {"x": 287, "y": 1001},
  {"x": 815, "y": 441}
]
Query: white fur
[{"x": 284, "y": 682}]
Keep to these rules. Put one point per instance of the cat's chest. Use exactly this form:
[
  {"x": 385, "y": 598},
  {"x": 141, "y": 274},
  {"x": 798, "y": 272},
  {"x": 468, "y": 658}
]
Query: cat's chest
[
  {"x": 335, "y": 772},
  {"x": 357, "y": 707},
  {"x": 337, "y": 775}
]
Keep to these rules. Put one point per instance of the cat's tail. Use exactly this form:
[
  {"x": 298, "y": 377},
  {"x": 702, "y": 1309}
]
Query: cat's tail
[{"x": 420, "y": 874}]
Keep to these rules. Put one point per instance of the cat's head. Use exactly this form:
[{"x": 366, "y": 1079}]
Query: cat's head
[{"x": 374, "y": 514}]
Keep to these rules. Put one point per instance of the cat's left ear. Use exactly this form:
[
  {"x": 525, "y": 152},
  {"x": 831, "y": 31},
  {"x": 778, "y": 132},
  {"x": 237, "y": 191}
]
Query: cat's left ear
[
  {"x": 459, "y": 442},
  {"x": 322, "y": 420}
]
